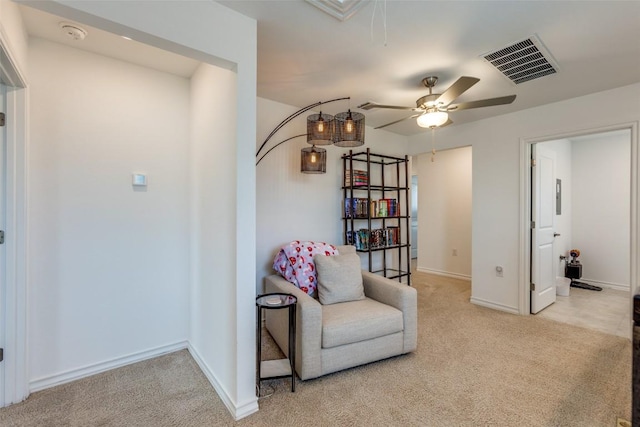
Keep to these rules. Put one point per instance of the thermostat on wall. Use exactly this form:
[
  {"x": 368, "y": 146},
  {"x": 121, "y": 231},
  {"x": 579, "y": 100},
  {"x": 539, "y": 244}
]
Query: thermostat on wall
[{"x": 139, "y": 179}]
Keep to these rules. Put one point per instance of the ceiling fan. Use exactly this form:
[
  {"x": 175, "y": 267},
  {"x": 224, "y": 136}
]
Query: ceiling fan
[{"x": 432, "y": 109}]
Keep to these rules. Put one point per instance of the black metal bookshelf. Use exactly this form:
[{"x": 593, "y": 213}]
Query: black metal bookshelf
[{"x": 387, "y": 179}]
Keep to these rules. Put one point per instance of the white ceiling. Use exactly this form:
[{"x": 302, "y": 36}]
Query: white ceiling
[
  {"x": 47, "y": 26},
  {"x": 305, "y": 55}
]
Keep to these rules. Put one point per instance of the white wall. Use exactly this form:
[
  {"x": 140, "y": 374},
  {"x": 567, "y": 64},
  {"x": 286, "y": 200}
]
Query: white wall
[
  {"x": 601, "y": 188},
  {"x": 109, "y": 264},
  {"x": 223, "y": 37},
  {"x": 296, "y": 206},
  {"x": 444, "y": 212},
  {"x": 497, "y": 157}
]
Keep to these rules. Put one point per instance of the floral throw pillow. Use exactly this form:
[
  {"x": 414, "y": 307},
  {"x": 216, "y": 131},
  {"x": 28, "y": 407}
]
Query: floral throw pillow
[{"x": 295, "y": 263}]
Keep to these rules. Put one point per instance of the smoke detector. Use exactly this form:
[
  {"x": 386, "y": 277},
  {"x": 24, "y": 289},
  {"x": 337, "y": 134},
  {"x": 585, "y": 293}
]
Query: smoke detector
[{"x": 73, "y": 31}]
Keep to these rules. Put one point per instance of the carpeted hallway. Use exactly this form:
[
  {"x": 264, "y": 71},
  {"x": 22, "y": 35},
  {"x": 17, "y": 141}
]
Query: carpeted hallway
[{"x": 473, "y": 367}]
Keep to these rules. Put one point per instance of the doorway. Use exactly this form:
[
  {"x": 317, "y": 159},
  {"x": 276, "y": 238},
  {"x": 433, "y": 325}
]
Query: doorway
[
  {"x": 414, "y": 217},
  {"x": 445, "y": 212},
  {"x": 3, "y": 259},
  {"x": 13, "y": 102},
  {"x": 589, "y": 184}
]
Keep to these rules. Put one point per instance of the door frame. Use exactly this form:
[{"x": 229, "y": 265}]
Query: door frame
[
  {"x": 16, "y": 378},
  {"x": 524, "y": 299}
]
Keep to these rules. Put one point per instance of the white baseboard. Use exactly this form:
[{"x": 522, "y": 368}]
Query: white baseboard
[
  {"x": 616, "y": 286},
  {"x": 444, "y": 273},
  {"x": 86, "y": 371},
  {"x": 237, "y": 411},
  {"x": 495, "y": 306}
]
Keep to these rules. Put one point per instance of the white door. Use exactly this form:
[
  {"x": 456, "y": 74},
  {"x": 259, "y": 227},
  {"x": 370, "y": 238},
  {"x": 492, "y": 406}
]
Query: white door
[
  {"x": 3, "y": 216},
  {"x": 543, "y": 199}
]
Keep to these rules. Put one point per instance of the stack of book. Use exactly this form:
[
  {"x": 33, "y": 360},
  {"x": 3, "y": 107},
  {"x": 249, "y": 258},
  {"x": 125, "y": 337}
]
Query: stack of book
[
  {"x": 356, "y": 207},
  {"x": 364, "y": 239},
  {"x": 360, "y": 178},
  {"x": 392, "y": 236},
  {"x": 359, "y": 238},
  {"x": 384, "y": 208}
]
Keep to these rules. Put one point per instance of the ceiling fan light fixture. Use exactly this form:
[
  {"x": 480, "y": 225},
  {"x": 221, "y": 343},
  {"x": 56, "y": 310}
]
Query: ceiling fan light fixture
[{"x": 433, "y": 119}]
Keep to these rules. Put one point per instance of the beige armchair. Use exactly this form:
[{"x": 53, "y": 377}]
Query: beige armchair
[{"x": 333, "y": 337}]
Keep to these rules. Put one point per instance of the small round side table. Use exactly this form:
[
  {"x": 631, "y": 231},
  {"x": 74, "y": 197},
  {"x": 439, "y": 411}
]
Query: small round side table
[{"x": 281, "y": 368}]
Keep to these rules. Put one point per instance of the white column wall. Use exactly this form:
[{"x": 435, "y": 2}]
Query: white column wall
[
  {"x": 108, "y": 262},
  {"x": 444, "y": 212},
  {"x": 213, "y": 185},
  {"x": 496, "y": 178},
  {"x": 296, "y": 206}
]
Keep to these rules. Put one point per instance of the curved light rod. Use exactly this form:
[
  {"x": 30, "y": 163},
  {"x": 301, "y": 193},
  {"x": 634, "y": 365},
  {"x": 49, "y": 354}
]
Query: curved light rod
[
  {"x": 287, "y": 120},
  {"x": 279, "y": 143}
]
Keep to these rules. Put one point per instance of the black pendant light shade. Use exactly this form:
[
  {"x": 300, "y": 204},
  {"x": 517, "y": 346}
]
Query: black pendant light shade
[
  {"x": 313, "y": 160},
  {"x": 349, "y": 129},
  {"x": 320, "y": 129}
]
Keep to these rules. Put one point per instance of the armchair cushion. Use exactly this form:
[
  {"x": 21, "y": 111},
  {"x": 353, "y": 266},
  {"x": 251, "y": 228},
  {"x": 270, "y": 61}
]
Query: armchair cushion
[
  {"x": 339, "y": 278},
  {"x": 357, "y": 321}
]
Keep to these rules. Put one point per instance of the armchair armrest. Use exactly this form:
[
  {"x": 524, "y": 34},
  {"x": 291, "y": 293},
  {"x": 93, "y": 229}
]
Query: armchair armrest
[
  {"x": 308, "y": 327},
  {"x": 400, "y": 296}
]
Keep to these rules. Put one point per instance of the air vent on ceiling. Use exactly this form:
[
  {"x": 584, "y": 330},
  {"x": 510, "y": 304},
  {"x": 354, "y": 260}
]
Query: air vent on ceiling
[{"x": 523, "y": 61}]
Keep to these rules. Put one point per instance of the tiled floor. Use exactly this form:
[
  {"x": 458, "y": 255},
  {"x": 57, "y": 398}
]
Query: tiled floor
[{"x": 607, "y": 311}]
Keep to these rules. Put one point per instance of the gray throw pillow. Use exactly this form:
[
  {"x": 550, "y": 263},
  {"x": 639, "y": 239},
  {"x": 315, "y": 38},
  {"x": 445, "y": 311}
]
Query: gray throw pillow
[{"x": 339, "y": 278}]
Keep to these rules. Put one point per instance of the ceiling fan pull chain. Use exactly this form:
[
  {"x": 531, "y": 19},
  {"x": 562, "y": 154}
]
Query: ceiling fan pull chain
[
  {"x": 373, "y": 15},
  {"x": 433, "y": 144},
  {"x": 384, "y": 20},
  {"x": 383, "y": 12}
]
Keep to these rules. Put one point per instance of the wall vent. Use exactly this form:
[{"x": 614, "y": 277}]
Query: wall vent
[{"x": 525, "y": 60}]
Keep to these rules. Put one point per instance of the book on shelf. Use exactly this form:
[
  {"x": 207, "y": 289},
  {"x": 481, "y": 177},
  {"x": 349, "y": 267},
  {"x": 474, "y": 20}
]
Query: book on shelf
[
  {"x": 387, "y": 207},
  {"x": 364, "y": 239},
  {"x": 356, "y": 207},
  {"x": 360, "y": 177},
  {"x": 358, "y": 238},
  {"x": 360, "y": 207}
]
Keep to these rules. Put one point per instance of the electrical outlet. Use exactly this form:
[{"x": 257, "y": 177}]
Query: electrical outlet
[
  {"x": 499, "y": 271},
  {"x": 455, "y": 252}
]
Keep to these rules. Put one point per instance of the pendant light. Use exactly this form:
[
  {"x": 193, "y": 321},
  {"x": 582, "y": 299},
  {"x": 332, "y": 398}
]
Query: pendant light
[
  {"x": 313, "y": 160},
  {"x": 320, "y": 129},
  {"x": 349, "y": 129},
  {"x": 343, "y": 130}
]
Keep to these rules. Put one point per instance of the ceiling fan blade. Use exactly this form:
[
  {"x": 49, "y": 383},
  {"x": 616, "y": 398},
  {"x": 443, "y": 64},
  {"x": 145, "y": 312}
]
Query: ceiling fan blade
[
  {"x": 456, "y": 89},
  {"x": 370, "y": 105},
  {"x": 482, "y": 103},
  {"x": 398, "y": 121}
]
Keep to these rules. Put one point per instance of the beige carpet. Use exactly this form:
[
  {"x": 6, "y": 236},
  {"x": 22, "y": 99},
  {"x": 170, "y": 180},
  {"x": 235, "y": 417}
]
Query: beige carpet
[{"x": 473, "y": 367}]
